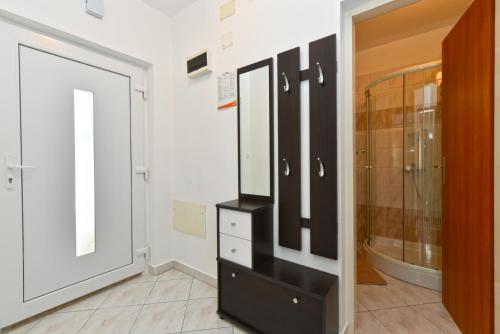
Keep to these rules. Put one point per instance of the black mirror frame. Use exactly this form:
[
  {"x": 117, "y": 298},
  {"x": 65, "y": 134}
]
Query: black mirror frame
[{"x": 267, "y": 62}]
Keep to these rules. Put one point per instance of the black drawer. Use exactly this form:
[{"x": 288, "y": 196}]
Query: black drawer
[{"x": 268, "y": 306}]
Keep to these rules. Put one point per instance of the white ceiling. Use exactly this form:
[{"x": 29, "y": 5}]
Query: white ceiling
[{"x": 169, "y": 7}]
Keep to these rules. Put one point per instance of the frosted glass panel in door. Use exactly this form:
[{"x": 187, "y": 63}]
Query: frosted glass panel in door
[
  {"x": 84, "y": 172},
  {"x": 77, "y": 201}
]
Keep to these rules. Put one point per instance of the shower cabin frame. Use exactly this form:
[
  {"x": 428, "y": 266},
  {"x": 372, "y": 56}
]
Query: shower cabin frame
[{"x": 427, "y": 277}]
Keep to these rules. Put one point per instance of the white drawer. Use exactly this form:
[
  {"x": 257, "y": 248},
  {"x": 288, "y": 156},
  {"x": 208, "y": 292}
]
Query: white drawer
[
  {"x": 235, "y": 223},
  {"x": 235, "y": 250}
]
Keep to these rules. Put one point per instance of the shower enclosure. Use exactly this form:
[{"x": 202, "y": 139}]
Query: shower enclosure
[{"x": 404, "y": 174}]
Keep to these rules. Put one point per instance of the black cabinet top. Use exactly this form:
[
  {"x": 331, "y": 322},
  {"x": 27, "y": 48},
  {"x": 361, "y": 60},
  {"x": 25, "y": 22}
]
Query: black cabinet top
[{"x": 244, "y": 205}]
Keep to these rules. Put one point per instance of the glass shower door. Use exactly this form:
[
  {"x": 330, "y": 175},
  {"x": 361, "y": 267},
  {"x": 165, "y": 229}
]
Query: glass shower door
[
  {"x": 422, "y": 172},
  {"x": 384, "y": 142}
]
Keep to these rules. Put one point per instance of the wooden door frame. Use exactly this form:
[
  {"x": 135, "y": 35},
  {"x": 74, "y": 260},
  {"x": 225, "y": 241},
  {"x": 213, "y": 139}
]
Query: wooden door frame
[{"x": 352, "y": 12}]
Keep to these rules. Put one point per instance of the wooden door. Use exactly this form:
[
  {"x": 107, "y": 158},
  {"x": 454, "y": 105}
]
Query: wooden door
[{"x": 468, "y": 65}]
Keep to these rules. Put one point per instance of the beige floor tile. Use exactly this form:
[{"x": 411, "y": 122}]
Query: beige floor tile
[
  {"x": 22, "y": 327},
  {"x": 228, "y": 330},
  {"x": 405, "y": 320},
  {"x": 61, "y": 323},
  {"x": 173, "y": 274},
  {"x": 413, "y": 294},
  {"x": 375, "y": 297},
  {"x": 160, "y": 318},
  {"x": 360, "y": 307},
  {"x": 128, "y": 295},
  {"x": 202, "y": 290},
  {"x": 386, "y": 277},
  {"x": 366, "y": 323},
  {"x": 169, "y": 291},
  {"x": 90, "y": 302},
  {"x": 142, "y": 278},
  {"x": 202, "y": 314},
  {"x": 238, "y": 330},
  {"x": 439, "y": 316},
  {"x": 116, "y": 320}
]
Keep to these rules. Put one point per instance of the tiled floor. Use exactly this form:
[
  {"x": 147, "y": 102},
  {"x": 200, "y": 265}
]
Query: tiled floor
[
  {"x": 400, "y": 307},
  {"x": 173, "y": 302}
]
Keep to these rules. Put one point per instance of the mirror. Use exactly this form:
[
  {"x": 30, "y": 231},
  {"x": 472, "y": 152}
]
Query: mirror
[{"x": 255, "y": 130}]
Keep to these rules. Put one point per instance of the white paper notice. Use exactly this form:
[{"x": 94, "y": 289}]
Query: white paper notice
[{"x": 226, "y": 84}]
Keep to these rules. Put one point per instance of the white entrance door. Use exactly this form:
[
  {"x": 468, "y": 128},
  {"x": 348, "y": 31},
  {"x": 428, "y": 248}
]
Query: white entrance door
[
  {"x": 72, "y": 206},
  {"x": 76, "y": 187}
]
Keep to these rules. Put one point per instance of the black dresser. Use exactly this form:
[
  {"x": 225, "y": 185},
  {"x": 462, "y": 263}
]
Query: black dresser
[{"x": 266, "y": 294}]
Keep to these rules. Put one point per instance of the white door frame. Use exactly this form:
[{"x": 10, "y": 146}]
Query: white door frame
[
  {"x": 12, "y": 307},
  {"x": 352, "y": 11}
]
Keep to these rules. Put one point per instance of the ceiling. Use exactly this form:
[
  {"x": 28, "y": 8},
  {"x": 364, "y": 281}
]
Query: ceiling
[
  {"x": 169, "y": 7},
  {"x": 418, "y": 18}
]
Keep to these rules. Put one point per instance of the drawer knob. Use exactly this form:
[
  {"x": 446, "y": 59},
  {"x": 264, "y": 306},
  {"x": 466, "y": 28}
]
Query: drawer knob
[
  {"x": 295, "y": 300},
  {"x": 233, "y": 275},
  {"x": 233, "y": 224},
  {"x": 233, "y": 250}
]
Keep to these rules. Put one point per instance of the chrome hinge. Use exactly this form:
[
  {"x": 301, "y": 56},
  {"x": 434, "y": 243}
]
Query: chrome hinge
[
  {"x": 142, "y": 90},
  {"x": 143, "y": 170}
]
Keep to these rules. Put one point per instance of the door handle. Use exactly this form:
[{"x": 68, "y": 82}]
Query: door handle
[
  {"x": 443, "y": 169},
  {"x": 321, "y": 172},
  {"x": 286, "y": 172},
  {"x": 9, "y": 158},
  {"x": 321, "y": 78},
  {"x": 11, "y": 166},
  {"x": 286, "y": 86}
]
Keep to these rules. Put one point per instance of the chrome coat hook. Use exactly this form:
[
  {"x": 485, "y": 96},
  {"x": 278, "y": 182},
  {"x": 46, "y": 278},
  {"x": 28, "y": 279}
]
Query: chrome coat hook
[
  {"x": 321, "y": 172},
  {"x": 286, "y": 87},
  {"x": 321, "y": 78},
  {"x": 286, "y": 172}
]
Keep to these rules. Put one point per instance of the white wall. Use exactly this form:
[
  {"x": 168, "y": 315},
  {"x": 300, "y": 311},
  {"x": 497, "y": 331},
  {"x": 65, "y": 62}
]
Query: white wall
[
  {"x": 205, "y": 153},
  {"x": 414, "y": 50},
  {"x": 135, "y": 29}
]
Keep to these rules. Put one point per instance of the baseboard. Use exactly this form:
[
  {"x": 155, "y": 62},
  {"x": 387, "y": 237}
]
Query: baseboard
[
  {"x": 199, "y": 275},
  {"x": 160, "y": 268}
]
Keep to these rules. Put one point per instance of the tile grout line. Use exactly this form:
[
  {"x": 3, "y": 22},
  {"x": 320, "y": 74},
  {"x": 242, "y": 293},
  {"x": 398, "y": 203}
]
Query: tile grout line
[
  {"x": 410, "y": 307},
  {"x": 83, "y": 325},
  {"x": 394, "y": 295},
  {"x": 86, "y": 321},
  {"x": 37, "y": 323},
  {"x": 187, "y": 305},
  {"x": 378, "y": 320},
  {"x": 430, "y": 320},
  {"x": 142, "y": 307},
  {"x": 156, "y": 282},
  {"x": 98, "y": 307},
  {"x": 392, "y": 307}
]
